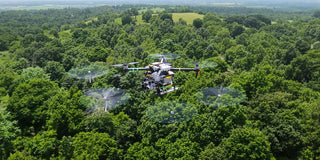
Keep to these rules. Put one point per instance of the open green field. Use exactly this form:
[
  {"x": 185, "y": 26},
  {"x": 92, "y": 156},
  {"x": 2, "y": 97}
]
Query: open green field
[{"x": 188, "y": 17}]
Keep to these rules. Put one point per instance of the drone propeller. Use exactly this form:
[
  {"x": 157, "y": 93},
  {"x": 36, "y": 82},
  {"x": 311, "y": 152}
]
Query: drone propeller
[
  {"x": 104, "y": 99},
  {"x": 164, "y": 56},
  {"x": 202, "y": 64},
  {"x": 220, "y": 96},
  {"x": 88, "y": 72},
  {"x": 125, "y": 68},
  {"x": 171, "y": 112},
  {"x": 124, "y": 64}
]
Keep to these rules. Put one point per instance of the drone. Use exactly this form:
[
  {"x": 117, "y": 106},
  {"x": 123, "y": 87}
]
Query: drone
[{"x": 159, "y": 76}]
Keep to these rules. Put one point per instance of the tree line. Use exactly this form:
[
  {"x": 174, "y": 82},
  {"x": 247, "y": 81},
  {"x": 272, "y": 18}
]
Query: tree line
[{"x": 273, "y": 62}]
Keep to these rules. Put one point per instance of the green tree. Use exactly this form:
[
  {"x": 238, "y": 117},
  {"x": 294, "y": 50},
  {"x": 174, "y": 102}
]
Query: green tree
[
  {"x": 302, "y": 46},
  {"x": 7, "y": 82},
  {"x": 274, "y": 114},
  {"x": 33, "y": 73},
  {"x": 236, "y": 18},
  {"x": 180, "y": 149},
  {"x": 3, "y": 45},
  {"x": 236, "y": 30},
  {"x": 101, "y": 122},
  {"x": 304, "y": 68},
  {"x": 257, "y": 21},
  {"x": 316, "y": 45},
  {"x": 316, "y": 14},
  {"x": 8, "y": 132},
  {"x": 65, "y": 112},
  {"x": 26, "y": 103},
  {"x": 146, "y": 16},
  {"x": 55, "y": 70},
  {"x": 43, "y": 145},
  {"x": 211, "y": 18},
  {"x": 140, "y": 151},
  {"x": 165, "y": 15},
  {"x": 22, "y": 156},
  {"x": 244, "y": 143},
  {"x": 134, "y": 12},
  {"x": 197, "y": 23},
  {"x": 196, "y": 48},
  {"x": 126, "y": 19},
  {"x": 91, "y": 145}
]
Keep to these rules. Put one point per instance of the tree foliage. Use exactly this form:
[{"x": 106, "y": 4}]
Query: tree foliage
[{"x": 276, "y": 66}]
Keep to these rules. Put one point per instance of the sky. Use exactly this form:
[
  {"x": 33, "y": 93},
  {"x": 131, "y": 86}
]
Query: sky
[
  {"x": 220, "y": 1},
  {"x": 270, "y": 3}
]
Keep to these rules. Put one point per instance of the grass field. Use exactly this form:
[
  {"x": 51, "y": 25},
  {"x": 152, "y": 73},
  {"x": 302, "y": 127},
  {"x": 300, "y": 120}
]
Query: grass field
[{"x": 188, "y": 17}]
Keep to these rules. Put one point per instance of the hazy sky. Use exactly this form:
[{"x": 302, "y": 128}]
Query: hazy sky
[
  {"x": 313, "y": 3},
  {"x": 289, "y": 1}
]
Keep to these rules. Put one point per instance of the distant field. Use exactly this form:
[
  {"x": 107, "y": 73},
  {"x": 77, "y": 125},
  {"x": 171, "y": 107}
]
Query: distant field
[
  {"x": 47, "y": 6},
  {"x": 188, "y": 17},
  {"x": 223, "y": 4},
  {"x": 44, "y": 6},
  {"x": 256, "y": 6}
]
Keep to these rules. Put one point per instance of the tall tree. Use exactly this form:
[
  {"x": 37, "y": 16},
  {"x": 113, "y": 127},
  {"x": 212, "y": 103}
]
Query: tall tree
[
  {"x": 146, "y": 16},
  {"x": 26, "y": 103},
  {"x": 8, "y": 132},
  {"x": 91, "y": 145}
]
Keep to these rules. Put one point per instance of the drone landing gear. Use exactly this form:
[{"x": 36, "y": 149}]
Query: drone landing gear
[
  {"x": 158, "y": 90},
  {"x": 167, "y": 91}
]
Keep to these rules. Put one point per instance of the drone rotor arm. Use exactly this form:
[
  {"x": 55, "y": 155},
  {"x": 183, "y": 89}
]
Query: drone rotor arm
[
  {"x": 183, "y": 69},
  {"x": 196, "y": 69},
  {"x": 135, "y": 69}
]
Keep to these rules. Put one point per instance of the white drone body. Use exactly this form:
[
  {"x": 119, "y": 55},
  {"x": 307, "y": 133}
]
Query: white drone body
[{"x": 159, "y": 76}]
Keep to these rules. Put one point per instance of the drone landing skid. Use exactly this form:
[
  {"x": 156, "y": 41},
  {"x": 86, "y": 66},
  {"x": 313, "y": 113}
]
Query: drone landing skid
[{"x": 167, "y": 91}]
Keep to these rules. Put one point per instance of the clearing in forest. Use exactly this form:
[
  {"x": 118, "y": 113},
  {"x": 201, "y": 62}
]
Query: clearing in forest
[{"x": 188, "y": 17}]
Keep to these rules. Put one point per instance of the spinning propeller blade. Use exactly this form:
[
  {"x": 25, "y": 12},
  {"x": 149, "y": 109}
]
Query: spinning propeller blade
[
  {"x": 164, "y": 56},
  {"x": 104, "y": 99},
  {"x": 220, "y": 96},
  {"x": 88, "y": 72},
  {"x": 202, "y": 64},
  {"x": 171, "y": 112},
  {"x": 124, "y": 64}
]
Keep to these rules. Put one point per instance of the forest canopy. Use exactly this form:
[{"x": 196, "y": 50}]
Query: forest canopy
[{"x": 269, "y": 60}]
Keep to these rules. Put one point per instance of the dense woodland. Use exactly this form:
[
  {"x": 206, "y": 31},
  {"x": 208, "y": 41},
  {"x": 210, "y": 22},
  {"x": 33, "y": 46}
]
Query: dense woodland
[{"x": 274, "y": 60}]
